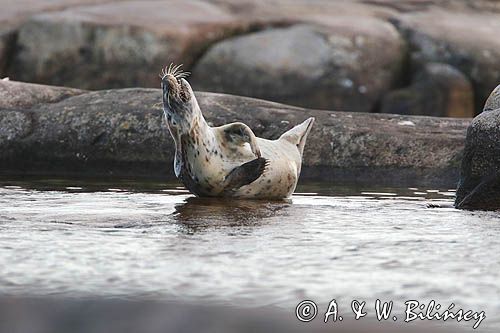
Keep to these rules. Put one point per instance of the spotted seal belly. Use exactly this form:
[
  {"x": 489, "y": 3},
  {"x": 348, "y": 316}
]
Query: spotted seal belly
[{"x": 229, "y": 160}]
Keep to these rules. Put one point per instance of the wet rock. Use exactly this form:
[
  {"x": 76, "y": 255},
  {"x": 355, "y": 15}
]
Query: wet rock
[
  {"x": 116, "y": 44},
  {"x": 466, "y": 40},
  {"x": 325, "y": 67},
  {"x": 14, "y": 125},
  {"x": 436, "y": 90},
  {"x": 122, "y": 132},
  {"x": 479, "y": 186}
]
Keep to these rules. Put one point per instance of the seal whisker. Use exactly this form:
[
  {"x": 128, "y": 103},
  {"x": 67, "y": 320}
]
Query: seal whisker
[
  {"x": 183, "y": 75},
  {"x": 179, "y": 71},
  {"x": 165, "y": 71},
  {"x": 172, "y": 70},
  {"x": 176, "y": 69}
]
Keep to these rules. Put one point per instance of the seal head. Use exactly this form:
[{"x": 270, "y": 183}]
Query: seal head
[{"x": 179, "y": 105}]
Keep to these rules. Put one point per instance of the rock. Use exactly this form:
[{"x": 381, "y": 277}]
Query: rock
[
  {"x": 91, "y": 44},
  {"x": 14, "y": 95},
  {"x": 493, "y": 101},
  {"x": 15, "y": 12},
  {"x": 466, "y": 40},
  {"x": 323, "y": 67},
  {"x": 422, "y": 5},
  {"x": 14, "y": 126},
  {"x": 436, "y": 90},
  {"x": 479, "y": 186},
  {"x": 122, "y": 132},
  {"x": 116, "y": 44},
  {"x": 7, "y": 38},
  {"x": 486, "y": 5}
]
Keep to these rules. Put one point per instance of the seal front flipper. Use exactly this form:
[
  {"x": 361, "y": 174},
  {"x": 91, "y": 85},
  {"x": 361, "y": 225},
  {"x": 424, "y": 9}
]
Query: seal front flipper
[
  {"x": 245, "y": 174},
  {"x": 238, "y": 133}
]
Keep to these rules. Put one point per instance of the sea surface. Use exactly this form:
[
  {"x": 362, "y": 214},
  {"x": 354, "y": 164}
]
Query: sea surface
[{"x": 154, "y": 240}]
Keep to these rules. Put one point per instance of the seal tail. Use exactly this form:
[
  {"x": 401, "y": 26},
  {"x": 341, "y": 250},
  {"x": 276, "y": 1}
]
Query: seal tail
[{"x": 298, "y": 134}]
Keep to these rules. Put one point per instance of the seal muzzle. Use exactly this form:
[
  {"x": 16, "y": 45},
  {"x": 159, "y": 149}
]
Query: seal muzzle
[
  {"x": 175, "y": 92},
  {"x": 175, "y": 88}
]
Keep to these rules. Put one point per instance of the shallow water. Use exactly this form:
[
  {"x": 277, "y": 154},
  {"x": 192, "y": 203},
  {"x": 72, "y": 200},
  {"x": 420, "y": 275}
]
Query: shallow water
[{"x": 129, "y": 239}]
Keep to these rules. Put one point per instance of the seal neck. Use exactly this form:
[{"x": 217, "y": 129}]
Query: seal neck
[{"x": 198, "y": 116}]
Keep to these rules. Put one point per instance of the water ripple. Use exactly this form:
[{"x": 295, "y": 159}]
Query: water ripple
[{"x": 327, "y": 243}]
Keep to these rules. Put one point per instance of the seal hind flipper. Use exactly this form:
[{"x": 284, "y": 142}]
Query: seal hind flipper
[
  {"x": 245, "y": 174},
  {"x": 298, "y": 134}
]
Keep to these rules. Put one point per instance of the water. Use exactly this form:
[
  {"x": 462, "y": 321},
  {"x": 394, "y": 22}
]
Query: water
[{"x": 154, "y": 240}]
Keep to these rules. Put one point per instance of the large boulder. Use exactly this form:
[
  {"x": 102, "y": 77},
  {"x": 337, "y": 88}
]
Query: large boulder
[
  {"x": 116, "y": 44},
  {"x": 466, "y": 40},
  {"x": 357, "y": 56},
  {"x": 479, "y": 186},
  {"x": 122, "y": 132},
  {"x": 327, "y": 66},
  {"x": 436, "y": 90}
]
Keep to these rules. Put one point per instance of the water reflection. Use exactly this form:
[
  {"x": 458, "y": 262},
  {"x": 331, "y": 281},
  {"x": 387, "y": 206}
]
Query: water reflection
[{"x": 196, "y": 214}]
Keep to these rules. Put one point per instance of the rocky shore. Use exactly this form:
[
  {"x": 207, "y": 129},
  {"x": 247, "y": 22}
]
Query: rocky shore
[
  {"x": 357, "y": 56},
  {"x": 65, "y": 131}
]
